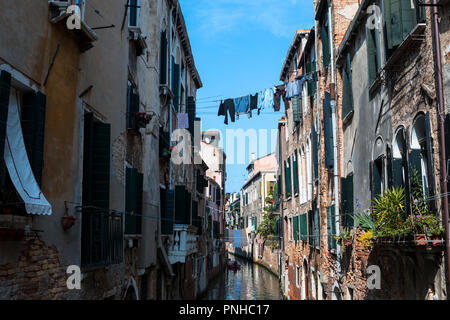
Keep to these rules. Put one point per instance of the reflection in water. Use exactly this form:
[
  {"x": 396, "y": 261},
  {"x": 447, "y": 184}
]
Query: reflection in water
[{"x": 252, "y": 282}]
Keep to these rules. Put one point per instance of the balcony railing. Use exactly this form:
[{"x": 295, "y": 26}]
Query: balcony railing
[{"x": 183, "y": 243}]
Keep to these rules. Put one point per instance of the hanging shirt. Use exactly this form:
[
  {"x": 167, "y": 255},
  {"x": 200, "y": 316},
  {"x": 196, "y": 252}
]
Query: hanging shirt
[
  {"x": 266, "y": 99},
  {"x": 242, "y": 104}
]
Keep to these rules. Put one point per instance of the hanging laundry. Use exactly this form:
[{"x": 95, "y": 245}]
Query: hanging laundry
[
  {"x": 266, "y": 99},
  {"x": 254, "y": 101},
  {"x": 225, "y": 108},
  {"x": 279, "y": 92},
  {"x": 183, "y": 121},
  {"x": 242, "y": 104}
]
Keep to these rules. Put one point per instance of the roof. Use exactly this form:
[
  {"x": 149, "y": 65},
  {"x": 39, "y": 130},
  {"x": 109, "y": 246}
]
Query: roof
[
  {"x": 186, "y": 44},
  {"x": 292, "y": 49}
]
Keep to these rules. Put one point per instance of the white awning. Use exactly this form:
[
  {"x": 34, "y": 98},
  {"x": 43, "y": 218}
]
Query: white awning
[{"x": 18, "y": 165}]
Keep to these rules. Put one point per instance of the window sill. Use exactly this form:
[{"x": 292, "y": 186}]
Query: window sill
[{"x": 85, "y": 36}]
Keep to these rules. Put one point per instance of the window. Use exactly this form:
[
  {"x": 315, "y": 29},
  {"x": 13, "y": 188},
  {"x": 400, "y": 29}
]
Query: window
[
  {"x": 133, "y": 13},
  {"x": 101, "y": 230},
  {"x": 132, "y": 106},
  {"x": 420, "y": 157},
  {"x": 328, "y": 131},
  {"x": 377, "y": 177},
  {"x": 291, "y": 229},
  {"x": 400, "y": 17},
  {"x": 347, "y": 201},
  {"x": 163, "y": 59},
  {"x": 133, "y": 201},
  {"x": 331, "y": 227},
  {"x": 303, "y": 226},
  {"x": 311, "y": 68},
  {"x": 297, "y": 276},
  {"x": 296, "y": 228},
  {"x": 287, "y": 177},
  {"x": 399, "y": 165},
  {"x": 296, "y": 110},
  {"x": 295, "y": 172}
]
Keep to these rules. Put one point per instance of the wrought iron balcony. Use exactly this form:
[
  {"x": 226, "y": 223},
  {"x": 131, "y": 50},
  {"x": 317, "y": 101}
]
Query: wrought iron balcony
[{"x": 183, "y": 243}]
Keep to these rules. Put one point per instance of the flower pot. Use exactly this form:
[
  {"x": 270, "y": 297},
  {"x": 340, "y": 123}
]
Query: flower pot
[
  {"x": 420, "y": 239},
  {"x": 436, "y": 240},
  {"x": 68, "y": 222}
]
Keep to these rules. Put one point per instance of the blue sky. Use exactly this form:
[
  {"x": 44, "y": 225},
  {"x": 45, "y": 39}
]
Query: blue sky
[{"x": 239, "y": 47}]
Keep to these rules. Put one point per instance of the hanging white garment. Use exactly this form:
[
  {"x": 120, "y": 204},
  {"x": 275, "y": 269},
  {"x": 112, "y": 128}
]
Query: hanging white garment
[{"x": 18, "y": 165}]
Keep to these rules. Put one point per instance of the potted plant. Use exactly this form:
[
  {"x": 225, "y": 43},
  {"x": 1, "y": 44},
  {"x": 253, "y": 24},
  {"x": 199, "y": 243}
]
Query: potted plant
[
  {"x": 68, "y": 222},
  {"x": 344, "y": 238}
]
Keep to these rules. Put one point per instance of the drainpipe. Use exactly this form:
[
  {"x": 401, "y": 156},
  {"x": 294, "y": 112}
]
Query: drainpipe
[
  {"x": 441, "y": 114},
  {"x": 335, "y": 131}
]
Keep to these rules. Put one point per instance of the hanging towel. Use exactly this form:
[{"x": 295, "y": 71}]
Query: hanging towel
[
  {"x": 183, "y": 121},
  {"x": 266, "y": 99}
]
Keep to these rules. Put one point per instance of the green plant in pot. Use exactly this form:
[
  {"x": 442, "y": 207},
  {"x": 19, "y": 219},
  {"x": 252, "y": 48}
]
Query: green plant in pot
[
  {"x": 389, "y": 213},
  {"x": 344, "y": 238}
]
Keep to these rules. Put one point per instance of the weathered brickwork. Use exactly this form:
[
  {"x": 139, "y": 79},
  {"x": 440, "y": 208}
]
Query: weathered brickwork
[{"x": 36, "y": 275}]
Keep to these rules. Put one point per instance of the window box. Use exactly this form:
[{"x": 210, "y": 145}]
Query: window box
[
  {"x": 138, "y": 38},
  {"x": 85, "y": 36}
]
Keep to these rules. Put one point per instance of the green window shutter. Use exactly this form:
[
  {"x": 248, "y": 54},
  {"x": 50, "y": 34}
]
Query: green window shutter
[
  {"x": 5, "y": 88},
  {"x": 309, "y": 83},
  {"x": 289, "y": 177},
  {"x": 408, "y": 14},
  {"x": 397, "y": 173},
  {"x": 347, "y": 201},
  {"x": 316, "y": 228},
  {"x": 325, "y": 44},
  {"x": 328, "y": 128},
  {"x": 393, "y": 23},
  {"x": 33, "y": 128},
  {"x": 295, "y": 172},
  {"x": 429, "y": 150},
  {"x": 180, "y": 204},
  {"x": 331, "y": 227},
  {"x": 101, "y": 164},
  {"x": 310, "y": 235},
  {"x": 167, "y": 215},
  {"x": 347, "y": 99},
  {"x": 314, "y": 82},
  {"x": 376, "y": 179},
  {"x": 371, "y": 55},
  {"x": 303, "y": 224},
  {"x": 133, "y": 12},
  {"x": 420, "y": 12},
  {"x": 176, "y": 86},
  {"x": 163, "y": 59},
  {"x": 415, "y": 162},
  {"x": 295, "y": 228},
  {"x": 296, "y": 109},
  {"x": 315, "y": 155}
]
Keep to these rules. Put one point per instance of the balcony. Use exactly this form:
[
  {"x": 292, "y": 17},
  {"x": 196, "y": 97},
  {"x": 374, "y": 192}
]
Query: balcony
[{"x": 183, "y": 243}]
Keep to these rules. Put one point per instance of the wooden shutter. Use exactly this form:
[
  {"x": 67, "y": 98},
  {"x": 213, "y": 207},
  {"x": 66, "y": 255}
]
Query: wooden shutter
[
  {"x": 328, "y": 128},
  {"x": 371, "y": 55},
  {"x": 393, "y": 22},
  {"x": 289, "y": 177},
  {"x": 167, "y": 215},
  {"x": 389, "y": 167},
  {"x": 163, "y": 59},
  {"x": 397, "y": 173},
  {"x": 190, "y": 110},
  {"x": 347, "y": 201},
  {"x": 188, "y": 206},
  {"x": 331, "y": 227},
  {"x": 303, "y": 224},
  {"x": 325, "y": 44},
  {"x": 376, "y": 180},
  {"x": 408, "y": 14},
  {"x": 296, "y": 228},
  {"x": 33, "y": 128},
  {"x": 296, "y": 109},
  {"x": 133, "y": 13},
  {"x": 101, "y": 164},
  {"x": 310, "y": 233},
  {"x": 316, "y": 228},
  {"x": 5, "y": 89},
  {"x": 315, "y": 155},
  {"x": 176, "y": 86},
  {"x": 133, "y": 108},
  {"x": 429, "y": 149},
  {"x": 180, "y": 204},
  {"x": 295, "y": 171},
  {"x": 347, "y": 95},
  {"x": 133, "y": 201}
]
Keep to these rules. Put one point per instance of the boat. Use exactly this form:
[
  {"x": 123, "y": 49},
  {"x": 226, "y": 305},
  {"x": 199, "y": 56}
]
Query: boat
[{"x": 234, "y": 265}]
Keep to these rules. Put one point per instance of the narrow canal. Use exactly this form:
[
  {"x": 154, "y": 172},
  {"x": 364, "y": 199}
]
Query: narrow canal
[{"x": 251, "y": 282}]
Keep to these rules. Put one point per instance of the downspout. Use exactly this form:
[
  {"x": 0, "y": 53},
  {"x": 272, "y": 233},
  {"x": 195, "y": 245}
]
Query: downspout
[
  {"x": 335, "y": 132},
  {"x": 441, "y": 114}
]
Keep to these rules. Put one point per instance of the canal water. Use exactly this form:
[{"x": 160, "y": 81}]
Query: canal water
[{"x": 251, "y": 282}]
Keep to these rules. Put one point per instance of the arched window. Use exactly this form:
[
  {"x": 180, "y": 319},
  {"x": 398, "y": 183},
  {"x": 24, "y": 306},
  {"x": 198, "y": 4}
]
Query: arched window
[
  {"x": 377, "y": 168},
  {"x": 420, "y": 154}
]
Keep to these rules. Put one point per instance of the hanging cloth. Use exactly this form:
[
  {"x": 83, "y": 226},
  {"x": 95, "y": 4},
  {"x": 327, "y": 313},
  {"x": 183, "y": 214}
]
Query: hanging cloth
[
  {"x": 183, "y": 121},
  {"x": 266, "y": 99}
]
